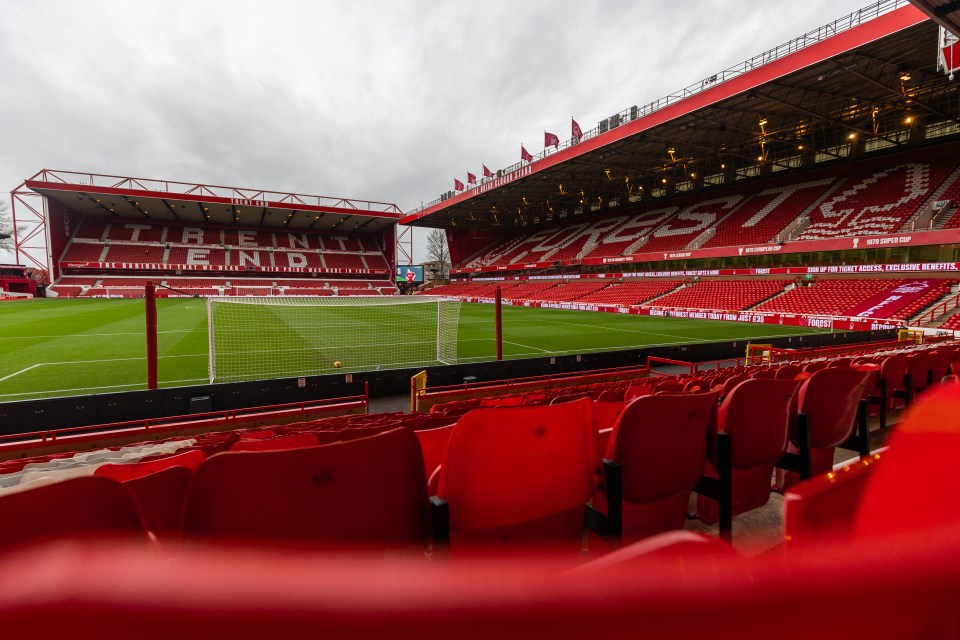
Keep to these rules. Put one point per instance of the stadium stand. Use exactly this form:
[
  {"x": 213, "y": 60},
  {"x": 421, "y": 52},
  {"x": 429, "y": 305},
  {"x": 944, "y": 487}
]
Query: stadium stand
[
  {"x": 842, "y": 296},
  {"x": 882, "y": 201},
  {"x": 763, "y": 216},
  {"x": 722, "y": 294},
  {"x": 878, "y": 203},
  {"x": 118, "y": 253},
  {"x": 631, "y": 292}
]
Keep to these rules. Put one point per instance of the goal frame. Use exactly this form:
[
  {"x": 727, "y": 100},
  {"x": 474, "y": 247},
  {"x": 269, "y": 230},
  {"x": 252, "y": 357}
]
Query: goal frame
[{"x": 446, "y": 320}]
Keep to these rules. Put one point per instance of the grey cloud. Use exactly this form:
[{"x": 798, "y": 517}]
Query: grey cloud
[{"x": 380, "y": 100}]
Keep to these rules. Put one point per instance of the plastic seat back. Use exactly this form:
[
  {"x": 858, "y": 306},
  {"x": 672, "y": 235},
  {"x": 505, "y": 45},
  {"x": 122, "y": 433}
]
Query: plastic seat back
[
  {"x": 918, "y": 366},
  {"x": 893, "y": 369},
  {"x": 366, "y": 491},
  {"x": 83, "y": 507},
  {"x": 830, "y": 399},
  {"x": 669, "y": 386},
  {"x": 295, "y": 441},
  {"x": 433, "y": 444},
  {"x": 160, "y": 497},
  {"x": 523, "y": 472},
  {"x": 757, "y": 415},
  {"x": 637, "y": 390},
  {"x": 661, "y": 443},
  {"x": 788, "y": 372},
  {"x": 939, "y": 364},
  {"x": 607, "y": 413},
  {"x": 730, "y": 384},
  {"x": 816, "y": 365},
  {"x": 124, "y": 472},
  {"x": 611, "y": 395}
]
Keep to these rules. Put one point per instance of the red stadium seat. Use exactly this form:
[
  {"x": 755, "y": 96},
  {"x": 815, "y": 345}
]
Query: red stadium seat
[
  {"x": 519, "y": 474},
  {"x": 753, "y": 424},
  {"x": 366, "y": 491},
  {"x": 76, "y": 508},
  {"x": 123, "y": 472},
  {"x": 918, "y": 370},
  {"x": 160, "y": 497},
  {"x": 295, "y": 441},
  {"x": 654, "y": 459},
  {"x": 822, "y": 508},
  {"x": 433, "y": 445},
  {"x": 829, "y": 403}
]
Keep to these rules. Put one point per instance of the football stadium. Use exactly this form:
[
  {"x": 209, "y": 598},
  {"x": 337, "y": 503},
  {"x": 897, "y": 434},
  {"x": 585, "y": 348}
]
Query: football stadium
[{"x": 691, "y": 370}]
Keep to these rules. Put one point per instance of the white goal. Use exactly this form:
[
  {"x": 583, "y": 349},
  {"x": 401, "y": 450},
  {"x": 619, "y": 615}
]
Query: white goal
[{"x": 254, "y": 338}]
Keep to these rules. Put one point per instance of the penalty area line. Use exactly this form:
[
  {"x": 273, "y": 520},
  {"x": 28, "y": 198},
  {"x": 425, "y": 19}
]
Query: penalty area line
[
  {"x": 16, "y": 373},
  {"x": 163, "y": 383},
  {"x": 60, "y": 364}
]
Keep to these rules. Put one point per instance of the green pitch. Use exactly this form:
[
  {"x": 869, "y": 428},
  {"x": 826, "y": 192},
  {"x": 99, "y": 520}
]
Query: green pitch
[{"x": 76, "y": 347}]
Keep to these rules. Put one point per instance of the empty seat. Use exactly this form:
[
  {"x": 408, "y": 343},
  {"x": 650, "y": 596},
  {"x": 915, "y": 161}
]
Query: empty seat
[
  {"x": 366, "y": 491},
  {"x": 519, "y": 474},
  {"x": 753, "y": 425},
  {"x": 80, "y": 507},
  {"x": 294, "y": 441},
  {"x": 654, "y": 459},
  {"x": 123, "y": 472},
  {"x": 822, "y": 507},
  {"x": 829, "y": 402},
  {"x": 160, "y": 497}
]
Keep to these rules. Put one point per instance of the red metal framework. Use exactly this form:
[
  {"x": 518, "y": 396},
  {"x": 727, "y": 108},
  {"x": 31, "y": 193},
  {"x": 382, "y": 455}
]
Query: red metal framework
[
  {"x": 28, "y": 213},
  {"x": 49, "y": 196},
  {"x": 404, "y": 245},
  {"x": 369, "y": 207}
]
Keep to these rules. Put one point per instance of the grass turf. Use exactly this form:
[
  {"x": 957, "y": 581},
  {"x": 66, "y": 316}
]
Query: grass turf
[{"x": 75, "y": 347}]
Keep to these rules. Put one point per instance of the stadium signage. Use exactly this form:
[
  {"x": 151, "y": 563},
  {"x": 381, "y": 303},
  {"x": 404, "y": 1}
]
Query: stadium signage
[
  {"x": 772, "y": 271},
  {"x": 249, "y": 203},
  {"x": 838, "y": 323},
  {"x": 873, "y": 242},
  {"x": 943, "y": 236},
  {"x": 768, "y": 248},
  {"x": 502, "y": 180},
  {"x": 153, "y": 266}
]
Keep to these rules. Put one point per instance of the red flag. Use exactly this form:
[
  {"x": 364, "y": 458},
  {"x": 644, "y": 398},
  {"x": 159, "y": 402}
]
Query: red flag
[
  {"x": 550, "y": 139},
  {"x": 525, "y": 155},
  {"x": 457, "y": 185},
  {"x": 575, "y": 130},
  {"x": 486, "y": 172},
  {"x": 471, "y": 179}
]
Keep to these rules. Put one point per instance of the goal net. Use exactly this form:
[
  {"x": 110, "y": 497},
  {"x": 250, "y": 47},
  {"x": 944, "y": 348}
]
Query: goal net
[{"x": 255, "y": 338}]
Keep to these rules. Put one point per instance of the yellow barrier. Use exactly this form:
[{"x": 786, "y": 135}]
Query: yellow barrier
[
  {"x": 758, "y": 353},
  {"x": 418, "y": 383}
]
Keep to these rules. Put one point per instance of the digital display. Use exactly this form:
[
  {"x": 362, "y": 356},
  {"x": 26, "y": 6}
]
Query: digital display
[{"x": 410, "y": 273}]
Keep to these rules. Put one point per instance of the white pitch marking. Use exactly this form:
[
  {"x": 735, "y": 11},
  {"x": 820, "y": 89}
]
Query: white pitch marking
[
  {"x": 42, "y": 364},
  {"x": 526, "y": 346},
  {"x": 33, "y": 366},
  {"x": 163, "y": 383},
  {"x": 101, "y": 335}
]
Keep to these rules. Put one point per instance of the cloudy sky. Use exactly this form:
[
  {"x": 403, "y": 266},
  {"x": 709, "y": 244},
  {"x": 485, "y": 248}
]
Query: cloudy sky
[{"x": 380, "y": 100}]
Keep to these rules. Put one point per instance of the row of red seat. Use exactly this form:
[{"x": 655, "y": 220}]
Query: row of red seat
[
  {"x": 104, "y": 229},
  {"x": 824, "y": 297},
  {"x": 877, "y": 202},
  {"x": 818, "y": 419},
  {"x": 369, "y": 484}
]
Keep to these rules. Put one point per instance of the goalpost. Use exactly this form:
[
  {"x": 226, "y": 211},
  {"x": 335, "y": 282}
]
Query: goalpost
[{"x": 276, "y": 337}]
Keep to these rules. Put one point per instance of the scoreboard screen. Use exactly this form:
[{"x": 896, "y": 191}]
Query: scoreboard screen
[{"x": 410, "y": 273}]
